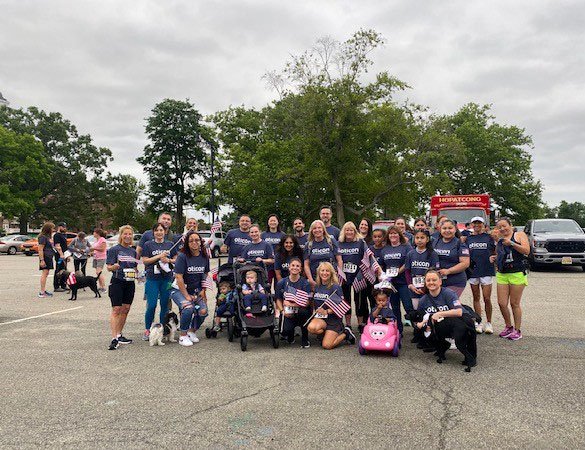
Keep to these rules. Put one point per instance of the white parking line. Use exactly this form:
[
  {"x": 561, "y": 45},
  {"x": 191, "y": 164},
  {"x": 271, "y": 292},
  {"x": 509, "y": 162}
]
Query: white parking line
[{"x": 41, "y": 315}]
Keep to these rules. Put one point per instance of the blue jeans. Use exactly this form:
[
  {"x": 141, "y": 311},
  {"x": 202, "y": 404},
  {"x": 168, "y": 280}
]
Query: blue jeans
[
  {"x": 193, "y": 314},
  {"x": 248, "y": 299},
  {"x": 153, "y": 289},
  {"x": 403, "y": 295},
  {"x": 226, "y": 307}
]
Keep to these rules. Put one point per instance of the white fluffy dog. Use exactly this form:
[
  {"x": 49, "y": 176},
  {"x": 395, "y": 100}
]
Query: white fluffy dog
[{"x": 156, "y": 335}]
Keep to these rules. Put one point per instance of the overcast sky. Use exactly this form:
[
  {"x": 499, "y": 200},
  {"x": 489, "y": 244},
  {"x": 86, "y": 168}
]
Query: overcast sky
[{"x": 105, "y": 64}]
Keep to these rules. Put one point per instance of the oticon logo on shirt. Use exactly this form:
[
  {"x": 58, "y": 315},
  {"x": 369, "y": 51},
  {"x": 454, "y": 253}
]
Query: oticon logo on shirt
[
  {"x": 256, "y": 252},
  {"x": 320, "y": 251},
  {"x": 195, "y": 269},
  {"x": 443, "y": 252},
  {"x": 393, "y": 256},
  {"x": 349, "y": 251},
  {"x": 320, "y": 295},
  {"x": 420, "y": 264},
  {"x": 478, "y": 245},
  {"x": 241, "y": 241}
]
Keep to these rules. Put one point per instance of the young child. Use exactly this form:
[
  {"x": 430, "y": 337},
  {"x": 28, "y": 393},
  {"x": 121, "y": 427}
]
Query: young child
[
  {"x": 225, "y": 303},
  {"x": 252, "y": 289},
  {"x": 382, "y": 313}
]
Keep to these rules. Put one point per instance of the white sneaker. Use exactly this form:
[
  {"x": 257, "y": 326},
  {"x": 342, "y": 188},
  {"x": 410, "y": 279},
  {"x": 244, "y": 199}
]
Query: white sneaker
[
  {"x": 478, "y": 328},
  {"x": 452, "y": 341},
  {"x": 264, "y": 308},
  {"x": 488, "y": 328},
  {"x": 185, "y": 341},
  {"x": 193, "y": 337}
]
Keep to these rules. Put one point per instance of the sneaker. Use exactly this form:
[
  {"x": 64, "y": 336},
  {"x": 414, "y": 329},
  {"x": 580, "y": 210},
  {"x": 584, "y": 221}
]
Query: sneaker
[
  {"x": 478, "y": 328},
  {"x": 249, "y": 315},
  {"x": 146, "y": 335},
  {"x": 349, "y": 335},
  {"x": 407, "y": 323},
  {"x": 264, "y": 308},
  {"x": 102, "y": 290},
  {"x": 488, "y": 328},
  {"x": 516, "y": 335},
  {"x": 185, "y": 341},
  {"x": 305, "y": 344},
  {"x": 42, "y": 295},
  {"x": 290, "y": 339},
  {"x": 123, "y": 340},
  {"x": 217, "y": 328},
  {"x": 48, "y": 294},
  {"x": 114, "y": 344},
  {"x": 248, "y": 308},
  {"x": 507, "y": 331},
  {"x": 60, "y": 290},
  {"x": 452, "y": 342},
  {"x": 193, "y": 337}
]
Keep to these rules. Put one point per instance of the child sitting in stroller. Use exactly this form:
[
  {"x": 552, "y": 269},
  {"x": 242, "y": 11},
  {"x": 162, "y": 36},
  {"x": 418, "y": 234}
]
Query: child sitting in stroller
[
  {"x": 252, "y": 289},
  {"x": 225, "y": 303}
]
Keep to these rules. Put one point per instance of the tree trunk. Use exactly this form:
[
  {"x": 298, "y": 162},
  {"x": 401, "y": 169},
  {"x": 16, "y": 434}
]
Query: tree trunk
[
  {"x": 23, "y": 224},
  {"x": 338, "y": 204},
  {"x": 179, "y": 213}
]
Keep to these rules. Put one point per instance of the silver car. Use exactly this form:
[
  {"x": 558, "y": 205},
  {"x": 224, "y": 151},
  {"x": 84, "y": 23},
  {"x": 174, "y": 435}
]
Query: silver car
[
  {"x": 12, "y": 243},
  {"x": 217, "y": 240},
  {"x": 555, "y": 241}
]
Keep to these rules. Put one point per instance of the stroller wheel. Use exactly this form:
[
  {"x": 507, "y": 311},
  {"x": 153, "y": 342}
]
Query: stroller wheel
[
  {"x": 213, "y": 333},
  {"x": 244, "y": 343},
  {"x": 208, "y": 333},
  {"x": 274, "y": 338},
  {"x": 230, "y": 327}
]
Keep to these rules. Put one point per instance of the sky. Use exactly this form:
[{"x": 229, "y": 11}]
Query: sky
[{"x": 105, "y": 64}]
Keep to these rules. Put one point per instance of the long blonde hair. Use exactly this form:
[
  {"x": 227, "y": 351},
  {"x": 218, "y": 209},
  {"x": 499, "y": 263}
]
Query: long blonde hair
[
  {"x": 344, "y": 228},
  {"x": 332, "y": 279},
  {"x": 122, "y": 229},
  {"x": 326, "y": 235}
]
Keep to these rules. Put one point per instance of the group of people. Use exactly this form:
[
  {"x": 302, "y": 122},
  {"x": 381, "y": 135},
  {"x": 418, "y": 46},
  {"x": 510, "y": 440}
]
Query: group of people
[{"x": 429, "y": 269}]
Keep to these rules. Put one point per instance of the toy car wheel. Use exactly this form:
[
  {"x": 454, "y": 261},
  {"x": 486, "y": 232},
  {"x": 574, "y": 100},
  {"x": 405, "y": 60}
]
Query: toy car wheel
[
  {"x": 230, "y": 327},
  {"x": 361, "y": 350},
  {"x": 396, "y": 348},
  {"x": 208, "y": 333},
  {"x": 244, "y": 343}
]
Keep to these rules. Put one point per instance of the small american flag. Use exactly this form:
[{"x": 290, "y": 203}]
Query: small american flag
[
  {"x": 369, "y": 265},
  {"x": 359, "y": 283},
  {"x": 71, "y": 280},
  {"x": 297, "y": 296},
  {"x": 341, "y": 274},
  {"x": 216, "y": 226},
  {"x": 128, "y": 259},
  {"x": 207, "y": 283},
  {"x": 337, "y": 304}
]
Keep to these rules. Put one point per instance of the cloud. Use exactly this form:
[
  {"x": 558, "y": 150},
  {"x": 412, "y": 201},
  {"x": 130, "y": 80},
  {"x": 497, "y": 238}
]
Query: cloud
[{"x": 105, "y": 64}]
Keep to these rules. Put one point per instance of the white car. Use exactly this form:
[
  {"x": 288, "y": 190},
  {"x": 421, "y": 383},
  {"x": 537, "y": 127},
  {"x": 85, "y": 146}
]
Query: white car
[
  {"x": 218, "y": 238},
  {"x": 12, "y": 243}
]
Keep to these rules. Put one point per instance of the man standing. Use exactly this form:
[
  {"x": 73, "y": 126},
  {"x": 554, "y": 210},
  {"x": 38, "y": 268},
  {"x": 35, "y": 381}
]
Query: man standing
[
  {"x": 237, "y": 238},
  {"x": 60, "y": 244},
  {"x": 325, "y": 215},
  {"x": 299, "y": 229},
  {"x": 166, "y": 220}
]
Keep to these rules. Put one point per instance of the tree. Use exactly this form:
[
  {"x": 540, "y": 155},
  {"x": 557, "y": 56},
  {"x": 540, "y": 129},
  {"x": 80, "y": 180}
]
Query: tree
[
  {"x": 75, "y": 164},
  {"x": 23, "y": 170},
  {"x": 176, "y": 160},
  {"x": 497, "y": 160},
  {"x": 574, "y": 210}
]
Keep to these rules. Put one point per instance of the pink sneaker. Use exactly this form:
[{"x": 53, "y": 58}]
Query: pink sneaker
[
  {"x": 249, "y": 315},
  {"x": 515, "y": 336},
  {"x": 507, "y": 332}
]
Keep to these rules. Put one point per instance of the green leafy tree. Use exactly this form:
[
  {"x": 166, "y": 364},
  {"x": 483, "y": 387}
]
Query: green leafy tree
[
  {"x": 574, "y": 210},
  {"x": 176, "y": 160},
  {"x": 23, "y": 170}
]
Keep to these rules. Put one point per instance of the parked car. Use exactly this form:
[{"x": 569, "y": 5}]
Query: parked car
[
  {"x": 111, "y": 241},
  {"x": 218, "y": 238},
  {"x": 31, "y": 247},
  {"x": 555, "y": 241},
  {"x": 12, "y": 243}
]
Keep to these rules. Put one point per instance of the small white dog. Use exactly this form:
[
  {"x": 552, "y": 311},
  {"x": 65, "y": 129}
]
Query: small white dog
[{"x": 157, "y": 333}]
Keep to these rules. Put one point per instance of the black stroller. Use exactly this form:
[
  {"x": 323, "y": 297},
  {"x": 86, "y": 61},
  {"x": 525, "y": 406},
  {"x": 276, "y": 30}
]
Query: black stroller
[
  {"x": 225, "y": 273},
  {"x": 261, "y": 321}
]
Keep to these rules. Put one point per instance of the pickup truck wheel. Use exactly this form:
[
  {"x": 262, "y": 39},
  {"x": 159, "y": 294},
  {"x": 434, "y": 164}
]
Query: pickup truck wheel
[
  {"x": 533, "y": 266},
  {"x": 583, "y": 267}
]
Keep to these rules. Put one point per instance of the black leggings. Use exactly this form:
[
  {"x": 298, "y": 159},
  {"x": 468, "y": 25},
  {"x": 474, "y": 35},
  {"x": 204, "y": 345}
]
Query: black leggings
[
  {"x": 361, "y": 302},
  {"x": 462, "y": 330},
  {"x": 365, "y": 297},
  {"x": 80, "y": 264},
  {"x": 299, "y": 319}
]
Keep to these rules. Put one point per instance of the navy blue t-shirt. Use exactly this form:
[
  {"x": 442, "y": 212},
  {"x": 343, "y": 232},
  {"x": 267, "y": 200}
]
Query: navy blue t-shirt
[
  {"x": 395, "y": 257},
  {"x": 236, "y": 240},
  {"x": 377, "y": 253},
  {"x": 113, "y": 257},
  {"x": 194, "y": 270},
  {"x": 351, "y": 254},
  {"x": 260, "y": 249},
  {"x": 273, "y": 239},
  {"x": 302, "y": 240},
  {"x": 435, "y": 237},
  {"x": 148, "y": 235},
  {"x": 418, "y": 263},
  {"x": 153, "y": 248},
  {"x": 281, "y": 264},
  {"x": 301, "y": 284},
  {"x": 449, "y": 253},
  {"x": 446, "y": 300},
  {"x": 481, "y": 247},
  {"x": 318, "y": 251},
  {"x": 322, "y": 292},
  {"x": 48, "y": 249},
  {"x": 333, "y": 231}
]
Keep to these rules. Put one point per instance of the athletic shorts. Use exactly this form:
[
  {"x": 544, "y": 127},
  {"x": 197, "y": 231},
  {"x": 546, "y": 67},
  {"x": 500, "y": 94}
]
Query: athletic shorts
[
  {"x": 334, "y": 323},
  {"x": 121, "y": 292},
  {"x": 99, "y": 263},
  {"x": 484, "y": 281},
  {"x": 514, "y": 278},
  {"x": 48, "y": 263}
]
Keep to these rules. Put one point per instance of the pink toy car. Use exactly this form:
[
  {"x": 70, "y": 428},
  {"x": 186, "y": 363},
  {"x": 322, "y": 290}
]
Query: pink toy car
[{"x": 380, "y": 337}]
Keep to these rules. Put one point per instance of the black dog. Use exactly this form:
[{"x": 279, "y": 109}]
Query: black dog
[{"x": 81, "y": 282}]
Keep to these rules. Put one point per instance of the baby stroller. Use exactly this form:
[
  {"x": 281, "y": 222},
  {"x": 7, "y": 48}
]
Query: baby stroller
[
  {"x": 261, "y": 321},
  {"x": 225, "y": 273}
]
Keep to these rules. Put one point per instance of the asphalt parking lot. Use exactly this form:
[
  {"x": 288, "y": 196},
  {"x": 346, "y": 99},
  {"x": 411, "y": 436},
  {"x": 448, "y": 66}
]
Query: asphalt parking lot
[{"x": 62, "y": 388}]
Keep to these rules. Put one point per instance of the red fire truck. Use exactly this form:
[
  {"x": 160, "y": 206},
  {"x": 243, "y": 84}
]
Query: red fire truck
[{"x": 460, "y": 208}]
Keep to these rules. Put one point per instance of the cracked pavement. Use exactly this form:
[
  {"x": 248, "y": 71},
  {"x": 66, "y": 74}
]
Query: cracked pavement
[{"x": 62, "y": 388}]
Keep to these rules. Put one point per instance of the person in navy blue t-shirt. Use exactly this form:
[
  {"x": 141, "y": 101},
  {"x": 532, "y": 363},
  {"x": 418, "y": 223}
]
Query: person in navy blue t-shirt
[
  {"x": 287, "y": 249},
  {"x": 258, "y": 250},
  {"x": 320, "y": 247},
  {"x": 420, "y": 259},
  {"x": 325, "y": 214},
  {"x": 236, "y": 239},
  {"x": 453, "y": 257},
  {"x": 481, "y": 246},
  {"x": 272, "y": 235},
  {"x": 299, "y": 232}
]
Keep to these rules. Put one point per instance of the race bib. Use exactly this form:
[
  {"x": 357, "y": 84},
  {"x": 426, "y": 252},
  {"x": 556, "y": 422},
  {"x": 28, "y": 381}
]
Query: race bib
[
  {"x": 129, "y": 274},
  {"x": 350, "y": 267},
  {"x": 320, "y": 316},
  {"x": 418, "y": 282},
  {"x": 291, "y": 310},
  {"x": 392, "y": 272}
]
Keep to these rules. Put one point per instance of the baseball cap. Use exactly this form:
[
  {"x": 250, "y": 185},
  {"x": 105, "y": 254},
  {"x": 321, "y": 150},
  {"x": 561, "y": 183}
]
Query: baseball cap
[
  {"x": 477, "y": 219},
  {"x": 62, "y": 224}
]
